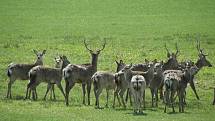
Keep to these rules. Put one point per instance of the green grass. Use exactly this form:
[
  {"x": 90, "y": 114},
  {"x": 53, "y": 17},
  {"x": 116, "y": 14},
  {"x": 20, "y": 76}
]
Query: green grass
[{"x": 136, "y": 29}]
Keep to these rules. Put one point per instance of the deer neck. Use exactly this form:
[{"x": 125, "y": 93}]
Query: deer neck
[
  {"x": 94, "y": 61},
  {"x": 199, "y": 65},
  {"x": 128, "y": 75},
  {"x": 38, "y": 62}
]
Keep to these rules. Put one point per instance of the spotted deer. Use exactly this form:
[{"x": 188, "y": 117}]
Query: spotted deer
[
  {"x": 82, "y": 74},
  {"x": 20, "y": 71},
  {"x": 170, "y": 64}
]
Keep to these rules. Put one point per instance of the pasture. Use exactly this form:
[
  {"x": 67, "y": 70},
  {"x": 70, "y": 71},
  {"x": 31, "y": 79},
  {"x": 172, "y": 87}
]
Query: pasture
[{"x": 135, "y": 30}]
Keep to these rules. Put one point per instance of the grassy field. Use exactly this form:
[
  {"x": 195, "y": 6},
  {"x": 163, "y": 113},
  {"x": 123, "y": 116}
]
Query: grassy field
[{"x": 136, "y": 29}]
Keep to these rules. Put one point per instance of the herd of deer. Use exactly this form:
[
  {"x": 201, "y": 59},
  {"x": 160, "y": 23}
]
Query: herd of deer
[{"x": 170, "y": 78}]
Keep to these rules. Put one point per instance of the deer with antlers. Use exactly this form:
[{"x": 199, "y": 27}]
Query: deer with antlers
[
  {"x": 82, "y": 74},
  {"x": 171, "y": 64},
  {"x": 201, "y": 62}
]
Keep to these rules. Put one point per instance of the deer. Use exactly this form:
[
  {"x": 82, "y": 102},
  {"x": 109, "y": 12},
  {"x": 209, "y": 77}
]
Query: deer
[
  {"x": 138, "y": 86},
  {"x": 128, "y": 74},
  {"x": 201, "y": 62},
  {"x": 20, "y": 71},
  {"x": 176, "y": 81},
  {"x": 156, "y": 82},
  {"x": 138, "y": 67},
  {"x": 101, "y": 80},
  {"x": 82, "y": 74},
  {"x": 39, "y": 74},
  {"x": 58, "y": 63},
  {"x": 170, "y": 64}
]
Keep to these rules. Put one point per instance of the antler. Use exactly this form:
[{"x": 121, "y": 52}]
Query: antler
[
  {"x": 103, "y": 46},
  {"x": 177, "y": 51},
  {"x": 85, "y": 44},
  {"x": 168, "y": 53},
  {"x": 198, "y": 46}
]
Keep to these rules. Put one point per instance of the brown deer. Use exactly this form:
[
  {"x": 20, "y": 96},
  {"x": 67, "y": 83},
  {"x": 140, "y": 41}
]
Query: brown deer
[
  {"x": 201, "y": 62},
  {"x": 20, "y": 71},
  {"x": 48, "y": 75},
  {"x": 60, "y": 62},
  {"x": 171, "y": 64},
  {"x": 82, "y": 74},
  {"x": 103, "y": 80}
]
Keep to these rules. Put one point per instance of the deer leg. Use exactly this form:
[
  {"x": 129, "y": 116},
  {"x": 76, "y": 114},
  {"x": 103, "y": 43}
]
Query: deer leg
[
  {"x": 61, "y": 89},
  {"x": 99, "y": 91},
  {"x": 107, "y": 97},
  {"x": 172, "y": 101},
  {"x": 130, "y": 95},
  {"x": 161, "y": 90},
  {"x": 51, "y": 93},
  {"x": 68, "y": 88},
  {"x": 192, "y": 85},
  {"x": 165, "y": 99},
  {"x": 35, "y": 91},
  {"x": 11, "y": 81},
  {"x": 84, "y": 92},
  {"x": 114, "y": 97},
  {"x": 48, "y": 88},
  {"x": 88, "y": 92},
  {"x": 54, "y": 97},
  {"x": 152, "y": 94},
  {"x": 121, "y": 93},
  {"x": 127, "y": 94},
  {"x": 144, "y": 99},
  {"x": 95, "y": 93},
  {"x": 156, "y": 97},
  {"x": 27, "y": 91}
]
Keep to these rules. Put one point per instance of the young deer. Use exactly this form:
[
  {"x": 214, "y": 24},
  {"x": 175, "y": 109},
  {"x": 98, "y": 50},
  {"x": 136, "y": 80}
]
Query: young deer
[
  {"x": 51, "y": 76},
  {"x": 156, "y": 82},
  {"x": 20, "y": 71},
  {"x": 81, "y": 74},
  {"x": 128, "y": 74},
  {"x": 59, "y": 61},
  {"x": 101, "y": 80},
  {"x": 138, "y": 86}
]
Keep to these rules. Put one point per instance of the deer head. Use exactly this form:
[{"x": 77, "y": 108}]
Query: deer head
[
  {"x": 127, "y": 68},
  {"x": 172, "y": 62},
  {"x": 94, "y": 53},
  {"x": 39, "y": 56},
  {"x": 172, "y": 55},
  {"x": 120, "y": 65},
  {"x": 202, "y": 61}
]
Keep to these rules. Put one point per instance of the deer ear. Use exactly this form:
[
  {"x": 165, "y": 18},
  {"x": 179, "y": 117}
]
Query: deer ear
[
  {"x": 146, "y": 61},
  {"x": 117, "y": 62},
  {"x": 55, "y": 59},
  {"x": 121, "y": 61},
  {"x": 155, "y": 61},
  {"x": 44, "y": 52},
  {"x": 162, "y": 62},
  {"x": 35, "y": 51},
  {"x": 168, "y": 55},
  {"x": 130, "y": 65}
]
